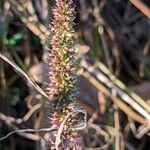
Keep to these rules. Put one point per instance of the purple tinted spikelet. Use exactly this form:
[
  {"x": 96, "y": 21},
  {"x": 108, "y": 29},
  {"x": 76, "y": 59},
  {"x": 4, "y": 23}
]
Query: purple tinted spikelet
[
  {"x": 62, "y": 56},
  {"x": 62, "y": 72}
]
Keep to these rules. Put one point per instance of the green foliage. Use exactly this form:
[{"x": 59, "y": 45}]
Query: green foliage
[{"x": 14, "y": 39}]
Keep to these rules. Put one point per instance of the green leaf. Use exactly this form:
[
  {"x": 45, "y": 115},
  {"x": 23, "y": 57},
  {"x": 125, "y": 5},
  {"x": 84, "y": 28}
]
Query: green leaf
[{"x": 14, "y": 39}]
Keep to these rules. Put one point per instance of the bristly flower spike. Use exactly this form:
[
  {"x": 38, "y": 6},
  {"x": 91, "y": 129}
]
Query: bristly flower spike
[
  {"x": 62, "y": 66},
  {"x": 63, "y": 62}
]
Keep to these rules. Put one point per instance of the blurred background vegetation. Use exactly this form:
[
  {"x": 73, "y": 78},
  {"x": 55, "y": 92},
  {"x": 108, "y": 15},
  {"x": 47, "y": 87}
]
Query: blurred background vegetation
[{"x": 115, "y": 33}]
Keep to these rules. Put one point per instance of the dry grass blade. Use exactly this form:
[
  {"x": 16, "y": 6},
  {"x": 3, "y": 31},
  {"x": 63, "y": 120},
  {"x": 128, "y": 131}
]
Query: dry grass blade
[
  {"x": 138, "y": 99},
  {"x": 116, "y": 100},
  {"x": 24, "y": 75},
  {"x": 122, "y": 105},
  {"x": 110, "y": 84}
]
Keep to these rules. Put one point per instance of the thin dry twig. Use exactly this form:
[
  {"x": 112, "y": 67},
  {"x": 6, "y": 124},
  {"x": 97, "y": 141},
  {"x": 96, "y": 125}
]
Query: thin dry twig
[
  {"x": 142, "y": 7},
  {"x": 28, "y": 130},
  {"x": 108, "y": 136},
  {"x": 38, "y": 29},
  {"x": 25, "y": 135},
  {"x": 20, "y": 120},
  {"x": 99, "y": 130},
  {"x": 142, "y": 129},
  {"x": 117, "y": 126}
]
